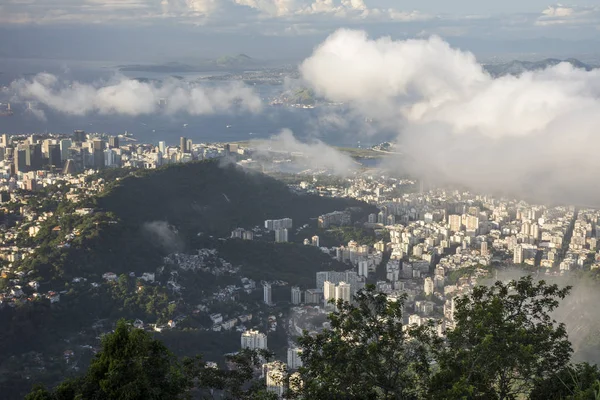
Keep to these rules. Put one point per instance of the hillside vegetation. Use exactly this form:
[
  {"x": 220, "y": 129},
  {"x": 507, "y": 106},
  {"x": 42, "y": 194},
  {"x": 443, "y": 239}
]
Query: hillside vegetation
[
  {"x": 205, "y": 197},
  {"x": 187, "y": 207},
  {"x": 505, "y": 345},
  {"x": 149, "y": 214}
]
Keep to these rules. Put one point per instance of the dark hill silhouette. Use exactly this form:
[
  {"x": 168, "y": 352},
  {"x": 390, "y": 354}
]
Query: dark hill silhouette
[
  {"x": 208, "y": 198},
  {"x": 517, "y": 67}
]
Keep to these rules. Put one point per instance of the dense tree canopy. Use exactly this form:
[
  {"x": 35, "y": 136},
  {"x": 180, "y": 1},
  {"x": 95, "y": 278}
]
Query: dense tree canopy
[
  {"x": 575, "y": 382},
  {"x": 134, "y": 366},
  {"x": 130, "y": 366},
  {"x": 504, "y": 345},
  {"x": 503, "y": 341},
  {"x": 367, "y": 354}
]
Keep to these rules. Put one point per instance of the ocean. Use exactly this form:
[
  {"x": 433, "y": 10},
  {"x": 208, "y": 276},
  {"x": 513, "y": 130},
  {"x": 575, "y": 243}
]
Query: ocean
[{"x": 347, "y": 130}]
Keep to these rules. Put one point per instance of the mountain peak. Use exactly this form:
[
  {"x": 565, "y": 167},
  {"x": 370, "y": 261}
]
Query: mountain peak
[{"x": 517, "y": 67}]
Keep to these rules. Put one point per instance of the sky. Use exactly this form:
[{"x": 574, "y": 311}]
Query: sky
[
  {"x": 408, "y": 68},
  {"x": 163, "y": 30}
]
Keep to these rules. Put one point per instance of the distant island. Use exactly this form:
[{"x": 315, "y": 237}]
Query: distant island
[
  {"x": 228, "y": 63},
  {"x": 517, "y": 67},
  {"x": 245, "y": 68}
]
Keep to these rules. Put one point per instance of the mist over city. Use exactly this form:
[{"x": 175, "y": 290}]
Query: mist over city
[{"x": 299, "y": 199}]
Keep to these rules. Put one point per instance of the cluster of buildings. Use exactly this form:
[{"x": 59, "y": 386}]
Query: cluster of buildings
[
  {"x": 27, "y": 160},
  {"x": 338, "y": 218},
  {"x": 331, "y": 286},
  {"x": 281, "y": 227},
  {"x": 314, "y": 241},
  {"x": 28, "y": 220},
  {"x": 60, "y": 153},
  {"x": 442, "y": 242},
  {"x": 436, "y": 244},
  {"x": 241, "y": 233},
  {"x": 275, "y": 373}
]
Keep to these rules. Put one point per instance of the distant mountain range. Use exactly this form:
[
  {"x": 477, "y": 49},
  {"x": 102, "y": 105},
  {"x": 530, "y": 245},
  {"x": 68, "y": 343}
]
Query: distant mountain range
[
  {"x": 517, "y": 67},
  {"x": 228, "y": 63}
]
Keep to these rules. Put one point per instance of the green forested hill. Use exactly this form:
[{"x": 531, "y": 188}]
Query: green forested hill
[
  {"x": 188, "y": 199},
  {"x": 206, "y": 197},
  {"x": 198, "y": 198},
  {"x": 185, "y": 200}
]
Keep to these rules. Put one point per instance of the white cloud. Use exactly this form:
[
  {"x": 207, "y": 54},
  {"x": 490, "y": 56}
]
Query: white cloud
[
  {"x": 354, "y": 4},
  {"x": 286, "y": 8},
  {"x": 404, "y": 16},
  {"x": 573, "y": 15},
  {"x": 317, "y": 155},
  {"x": 48, "y": 11},
  {"x": 272, "y": 8},
  {"x": 190, "y": 7},
  {"x": 536, "y": 133},
  {"x": 131, "y": 97},
  {"x": 164, "y": 235},
  {"x": 348, "y": 67},
  {"x": 558, "y": 11}
]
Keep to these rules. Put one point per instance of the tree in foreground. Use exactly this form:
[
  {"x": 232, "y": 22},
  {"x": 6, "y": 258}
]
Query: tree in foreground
[
  {"x": 505, "y": 345},
  {"x": 237, "y": 383},
  {"x": 504, "y": 341},
  {"x": 575, "y": 382},
  {"x": 133, "y": 366},
  {"x": 367, "y": 354}
]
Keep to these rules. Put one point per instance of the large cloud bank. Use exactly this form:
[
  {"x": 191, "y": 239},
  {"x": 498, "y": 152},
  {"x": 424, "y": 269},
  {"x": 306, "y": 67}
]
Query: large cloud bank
[
  {"x": 536, "y": 134},
  {"x": 131, "y": 97}
]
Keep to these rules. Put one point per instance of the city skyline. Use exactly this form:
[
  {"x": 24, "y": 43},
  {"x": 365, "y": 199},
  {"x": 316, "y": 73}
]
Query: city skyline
[{"x": 314, "y": 198}]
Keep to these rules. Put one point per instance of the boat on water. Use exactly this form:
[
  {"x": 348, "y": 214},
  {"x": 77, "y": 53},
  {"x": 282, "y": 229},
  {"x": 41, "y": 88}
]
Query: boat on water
[
  {"x": 228, "y": 126},
  {"x": 185, "y": 125}
]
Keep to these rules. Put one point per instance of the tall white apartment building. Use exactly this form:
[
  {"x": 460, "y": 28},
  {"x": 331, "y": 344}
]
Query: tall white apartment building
[
  {"x": 293, "y": 358},
  {"x": 296, "y": 295},
  {"x": 428, "y": 286},
  {"x": 267, "y": 292},
  {"x": 254, "y": 340},
  {"x": 342, "y": 292}
]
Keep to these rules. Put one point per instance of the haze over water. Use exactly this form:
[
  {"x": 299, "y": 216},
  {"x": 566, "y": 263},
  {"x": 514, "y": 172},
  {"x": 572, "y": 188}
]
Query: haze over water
[{"x": 219, "y": 127}]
